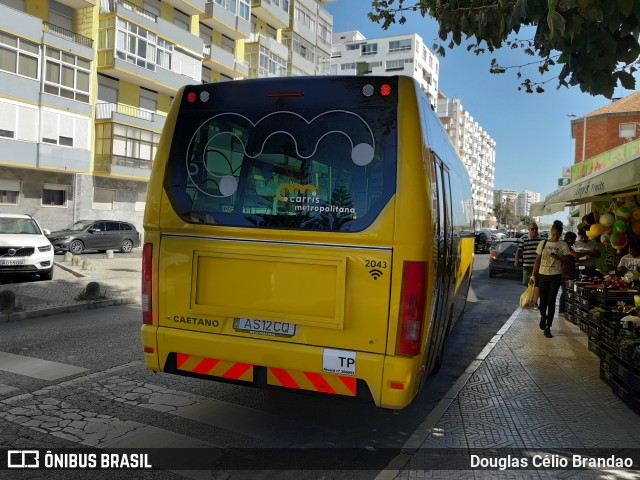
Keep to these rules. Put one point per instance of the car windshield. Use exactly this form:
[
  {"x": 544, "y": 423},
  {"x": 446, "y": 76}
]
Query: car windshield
[
  {"x": 502, "y": 246},
  {"x": 78, "y": 226},
  {"x": 19, "y": 226}
]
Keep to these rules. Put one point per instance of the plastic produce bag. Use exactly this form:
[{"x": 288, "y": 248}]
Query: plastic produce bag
[{"x": 526, "y": 299}]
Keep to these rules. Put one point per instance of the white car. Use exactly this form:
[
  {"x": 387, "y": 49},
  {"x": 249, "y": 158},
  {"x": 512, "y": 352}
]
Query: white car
[{"x": 24, "y": 247}]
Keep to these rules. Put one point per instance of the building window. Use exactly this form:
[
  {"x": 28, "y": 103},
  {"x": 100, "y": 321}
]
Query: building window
[
  {"x": 66, "y": 130},
  {"x": 400, "y": 45},
  {"x": 67, "y": 75},
  {"x": 206, "y": 75},
  {"x": 353, "y": 46},
  {"x": 245, "y": 9},
  {"x": 18, "y": 121},
  {"x": 181, "y": 20},
  {"x": 141, "y": 201},
  {"x": 391, "y": 65},
  {"x": 103, "y": 199},
  {"x": 19, "y": 56},
  {"x": 369, "y": 49},
  {"x": 54, "y": 195},
  {"x": 140, "y": 47},
  {"x": 304, "y": 17},
  {"x": 9, "y": 192},
  {"x": 627, "y": 130},
  {"x": 348, "y": 66}
]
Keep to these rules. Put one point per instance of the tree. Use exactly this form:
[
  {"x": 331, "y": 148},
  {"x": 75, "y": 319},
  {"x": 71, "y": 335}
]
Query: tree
[
  {"x": 595, "y": 41},
  {"x": 503, "y": 211}
]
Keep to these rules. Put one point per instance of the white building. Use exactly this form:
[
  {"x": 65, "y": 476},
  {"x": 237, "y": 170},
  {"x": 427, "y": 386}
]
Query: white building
[
  {"x": 503, "y": 195},
  {"x": 353, "y": 54},
  {"x": 524, "y": 201},
  {"x": 476, "y": 148}
]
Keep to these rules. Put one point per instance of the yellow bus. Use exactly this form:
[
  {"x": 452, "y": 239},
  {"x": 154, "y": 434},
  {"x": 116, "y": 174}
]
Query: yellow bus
[{"x": 310, "y": 233}]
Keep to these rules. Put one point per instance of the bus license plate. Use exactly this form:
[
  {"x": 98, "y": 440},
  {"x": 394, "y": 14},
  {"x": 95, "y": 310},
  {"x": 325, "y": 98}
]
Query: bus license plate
[
  {"x": 12, "y": 262},
  {"x": 265, "y": 327}
]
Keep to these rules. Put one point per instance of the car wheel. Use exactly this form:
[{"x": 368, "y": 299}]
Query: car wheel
[
  {"x": 127, "y": 246},
  {"x": 76, "y": 247}
]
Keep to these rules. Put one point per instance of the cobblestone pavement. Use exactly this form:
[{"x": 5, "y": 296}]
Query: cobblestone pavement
[{"x": 118, "y": 277}]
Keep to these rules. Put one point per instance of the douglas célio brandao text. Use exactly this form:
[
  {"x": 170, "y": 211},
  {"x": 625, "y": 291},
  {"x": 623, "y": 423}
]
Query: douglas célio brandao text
[{"x": 510, "y": 462}]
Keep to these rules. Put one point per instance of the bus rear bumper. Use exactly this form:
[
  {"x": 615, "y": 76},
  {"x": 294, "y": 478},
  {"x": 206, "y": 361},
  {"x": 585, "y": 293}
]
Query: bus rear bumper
[{"x": 262, "y": 362}]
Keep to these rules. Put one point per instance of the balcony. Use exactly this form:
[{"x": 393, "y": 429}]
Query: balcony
[
  {"x": 270, "y": 44},
  {"x": 302, "y": 63},
  {"x": 123, "y": 166},
  {"x": 222, "y": 20},
  {"x": 67, "y": 34},
  {"x": 304, "y": 31},
  {"x": 128, "y": 115},
  {"x": 148, "y": 20},
  {"x": 271, "y": 12},
  {"x": 190, "y": 7},
  {"x": 225, "y": 62},
  {"x": 78, "y": 4}
]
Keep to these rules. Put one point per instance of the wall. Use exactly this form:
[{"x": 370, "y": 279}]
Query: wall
[{"x": 602, "y": 134}]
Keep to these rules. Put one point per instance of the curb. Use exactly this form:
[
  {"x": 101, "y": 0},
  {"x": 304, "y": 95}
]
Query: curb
[
  {"x": 412, "y": 445},
  {"x": 70, "y": 270},
  {"x": 87, "y": 305}
]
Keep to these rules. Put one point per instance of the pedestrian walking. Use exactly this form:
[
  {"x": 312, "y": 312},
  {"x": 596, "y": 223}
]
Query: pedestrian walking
[
  {"x": 568, "y": 271},
  {"x": 526, "y": 255},
  {"x": 548, "y": 270}
]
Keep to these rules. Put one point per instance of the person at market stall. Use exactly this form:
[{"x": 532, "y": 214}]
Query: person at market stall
[
  {"x": 548, "y": 269},
  {"x": 526, "y": 254},
  {"x": 568, "y": 269},
  {"x": 589, "y": 253},
  {"x": 631, "y": 261}
]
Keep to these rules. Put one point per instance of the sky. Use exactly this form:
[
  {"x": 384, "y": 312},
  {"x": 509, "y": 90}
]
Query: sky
[{"x": 532, "y": 131}]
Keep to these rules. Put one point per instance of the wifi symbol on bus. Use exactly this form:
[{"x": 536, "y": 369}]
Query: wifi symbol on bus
[{"x": 375, "y": 273}]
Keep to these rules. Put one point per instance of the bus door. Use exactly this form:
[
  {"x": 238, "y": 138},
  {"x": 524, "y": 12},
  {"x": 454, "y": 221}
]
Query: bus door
[{"x": 442, "y": 257}]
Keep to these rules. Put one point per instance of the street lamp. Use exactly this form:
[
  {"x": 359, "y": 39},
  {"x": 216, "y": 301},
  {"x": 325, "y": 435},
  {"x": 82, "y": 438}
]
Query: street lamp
[{"x": 584, "y": 131}]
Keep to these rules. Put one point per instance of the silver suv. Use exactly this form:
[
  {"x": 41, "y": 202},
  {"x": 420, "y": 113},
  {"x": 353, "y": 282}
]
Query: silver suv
[{"x": 24, "y": 247}]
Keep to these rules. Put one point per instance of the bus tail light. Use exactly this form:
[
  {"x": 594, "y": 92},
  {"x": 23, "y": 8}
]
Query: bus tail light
[
  {"x": 412, "y": 305},
  {"x": 146, "y": 295}
]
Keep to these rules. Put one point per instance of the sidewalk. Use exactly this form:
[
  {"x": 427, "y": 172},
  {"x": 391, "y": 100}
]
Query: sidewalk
[
  {"x": 525, "y": 395},
  {"x": 119, "y": 279}
]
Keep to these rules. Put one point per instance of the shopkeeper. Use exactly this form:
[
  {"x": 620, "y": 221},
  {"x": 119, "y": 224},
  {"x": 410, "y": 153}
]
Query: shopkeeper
[
  {"x": 631, "y": 261},
  {"x": 589, "y": 253}
]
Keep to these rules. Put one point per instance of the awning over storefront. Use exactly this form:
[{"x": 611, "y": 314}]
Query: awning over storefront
[{"x": 606, "y": 183}]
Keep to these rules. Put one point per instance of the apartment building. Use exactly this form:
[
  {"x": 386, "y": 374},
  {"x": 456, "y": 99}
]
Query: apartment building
[
  {"x": 504, "y": 195},
  {"x": 476, "y": 148},
  {"x": 353, "y": 54},
  {"x": 524, "y": 201},
  {"x": 85, "y": 87}
]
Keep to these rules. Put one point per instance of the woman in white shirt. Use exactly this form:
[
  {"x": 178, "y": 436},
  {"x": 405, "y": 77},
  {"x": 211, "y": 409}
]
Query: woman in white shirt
[{"x": 548, "y": 267}]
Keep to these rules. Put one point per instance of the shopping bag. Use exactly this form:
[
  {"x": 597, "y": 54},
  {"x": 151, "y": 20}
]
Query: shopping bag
[{"x": 526, "y": 299}]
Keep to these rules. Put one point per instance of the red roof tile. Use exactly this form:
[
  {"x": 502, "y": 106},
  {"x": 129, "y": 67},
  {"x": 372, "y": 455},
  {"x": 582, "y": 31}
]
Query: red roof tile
[{"x": 628, "y": 104}]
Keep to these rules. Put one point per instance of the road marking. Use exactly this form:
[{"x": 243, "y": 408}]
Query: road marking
[{"x": 36, "y": 368}]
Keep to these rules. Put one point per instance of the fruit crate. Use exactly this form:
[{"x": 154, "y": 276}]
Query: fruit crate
[
  {"x": 606, "y": 296},
  {"x": 609, "y": 334},
  {"x": 621, "y": 390},
  {"x": 606, "y": 355},
  {"x": 594, "y": 346},
  {"x": 621, "y": 372},
  {"x": 605, "y": 372}
]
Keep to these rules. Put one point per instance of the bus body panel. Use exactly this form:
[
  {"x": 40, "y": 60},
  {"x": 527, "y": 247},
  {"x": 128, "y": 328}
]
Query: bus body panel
[{"x": 342, "y": 291}]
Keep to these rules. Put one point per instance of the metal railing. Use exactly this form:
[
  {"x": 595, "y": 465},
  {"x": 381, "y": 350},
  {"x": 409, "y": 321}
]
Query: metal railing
[
  {"x": 106, "y": 110},
  {"x": 67, "y": 34},
  {"x": 111, "y": 5},
  {"x": 103, "y": 163}
]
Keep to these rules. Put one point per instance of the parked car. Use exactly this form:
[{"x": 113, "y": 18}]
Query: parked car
[
  {"x": 482, "y": 243},
  {"x": 503, "y": 257},
  {"x": 24, "y": 247},
  {"x": 98, "y": 235}
]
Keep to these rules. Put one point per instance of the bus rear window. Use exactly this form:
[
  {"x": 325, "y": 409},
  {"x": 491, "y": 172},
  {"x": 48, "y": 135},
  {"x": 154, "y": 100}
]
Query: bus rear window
[{"x": 299, "y": 167}]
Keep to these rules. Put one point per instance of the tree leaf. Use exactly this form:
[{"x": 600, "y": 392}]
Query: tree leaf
[
  {"x": 556, "y": 23},
  {"x": 627, "y": 80}
]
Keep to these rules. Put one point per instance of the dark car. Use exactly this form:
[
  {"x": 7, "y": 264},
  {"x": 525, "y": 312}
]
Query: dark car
[
  {"x": 98, "y": 235},
  {"x": 503, "y": 256},
  {"x": 482, "y": 243}
]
